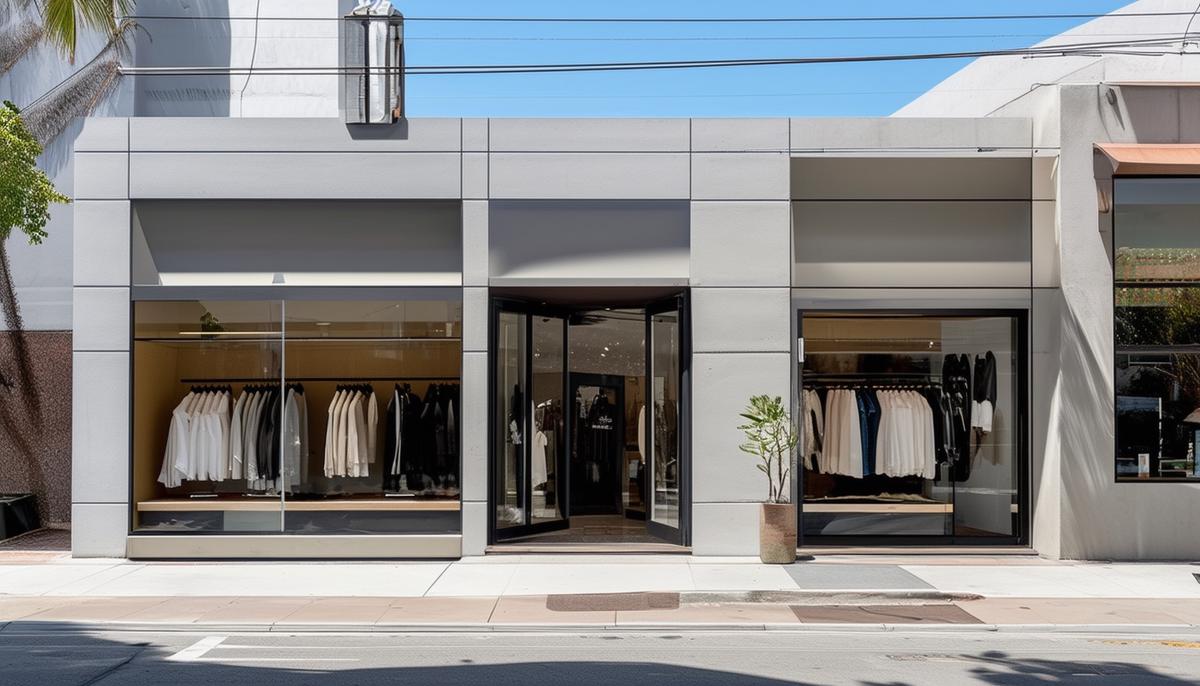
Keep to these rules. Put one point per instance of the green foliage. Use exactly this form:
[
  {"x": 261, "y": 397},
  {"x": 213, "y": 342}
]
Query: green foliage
[
  {"x": 25, "y": 191},
  {"x": 64, "y": 19},
  {"x": 771, "y": 436}
]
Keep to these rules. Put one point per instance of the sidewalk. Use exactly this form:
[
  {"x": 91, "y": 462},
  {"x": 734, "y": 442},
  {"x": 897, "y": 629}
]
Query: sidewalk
[{"x": 601, "y": 592}]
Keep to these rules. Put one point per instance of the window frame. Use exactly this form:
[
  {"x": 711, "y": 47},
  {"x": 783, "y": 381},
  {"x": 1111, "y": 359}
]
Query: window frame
[{"x": 1120, "y": 350}]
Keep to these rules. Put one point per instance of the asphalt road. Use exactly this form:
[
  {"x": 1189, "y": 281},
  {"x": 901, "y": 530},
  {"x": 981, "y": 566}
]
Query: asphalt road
[{"x": 924, "y": 658}]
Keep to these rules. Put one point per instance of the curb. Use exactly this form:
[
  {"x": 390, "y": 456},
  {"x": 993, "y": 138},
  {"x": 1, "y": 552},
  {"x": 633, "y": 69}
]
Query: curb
[
  {"x": 13, "y": 627},
  {"x": 828, "y": 597}
]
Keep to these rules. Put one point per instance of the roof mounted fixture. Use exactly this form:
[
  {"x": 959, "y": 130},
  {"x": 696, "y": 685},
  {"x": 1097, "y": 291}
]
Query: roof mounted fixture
[{"x": 372, "y": 69}]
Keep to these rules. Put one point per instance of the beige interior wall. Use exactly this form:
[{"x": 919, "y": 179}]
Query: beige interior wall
[{"x": 163, "y": 373}]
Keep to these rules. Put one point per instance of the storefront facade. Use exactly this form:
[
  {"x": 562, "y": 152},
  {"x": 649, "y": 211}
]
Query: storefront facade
[{"x": 470, "y": 334}]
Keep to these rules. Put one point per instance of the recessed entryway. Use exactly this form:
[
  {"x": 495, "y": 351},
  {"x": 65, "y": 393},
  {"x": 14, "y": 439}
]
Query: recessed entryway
[{"x": 588, "y": 418}]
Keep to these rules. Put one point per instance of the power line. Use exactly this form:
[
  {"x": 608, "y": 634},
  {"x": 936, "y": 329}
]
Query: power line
[
  {"x": 710, "y": 39},
  {"x": 704, "y": 20},
  {"x": 1086, "y": 49}
]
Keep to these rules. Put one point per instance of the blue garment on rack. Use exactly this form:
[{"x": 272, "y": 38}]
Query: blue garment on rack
[
  {"x": 864, "y": 428},
  {"x": 873, "y": 415}
]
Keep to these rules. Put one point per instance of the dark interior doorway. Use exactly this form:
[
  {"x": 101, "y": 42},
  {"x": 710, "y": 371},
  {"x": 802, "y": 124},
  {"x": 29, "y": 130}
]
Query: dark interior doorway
[{"x": 588, "y": 419}]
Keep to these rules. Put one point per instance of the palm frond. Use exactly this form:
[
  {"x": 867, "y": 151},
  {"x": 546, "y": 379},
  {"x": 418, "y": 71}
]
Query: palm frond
[
  {"x": 77, "y": 96},
  {"x": 64, "y": 20},
  {"x": 16, "y": 42}
]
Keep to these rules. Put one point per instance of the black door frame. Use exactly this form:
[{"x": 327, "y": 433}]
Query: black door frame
[
  {"x": 1022, "y": 520},
  {"x": 681, "y": 534},
  {"x": 680, "y": 302},
  {"x": 562, "y": 459}
]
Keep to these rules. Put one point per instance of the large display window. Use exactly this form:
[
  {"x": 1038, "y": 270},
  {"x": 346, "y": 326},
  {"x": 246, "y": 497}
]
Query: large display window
[
  {"x": 913, "y": 425},
  {"x": 1156, "y": 274},
  {"x": 297, "y": 415}
]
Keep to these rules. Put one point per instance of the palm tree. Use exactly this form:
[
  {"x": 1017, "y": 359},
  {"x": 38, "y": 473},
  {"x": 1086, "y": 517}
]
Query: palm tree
[{"x": 61, "y": 24}]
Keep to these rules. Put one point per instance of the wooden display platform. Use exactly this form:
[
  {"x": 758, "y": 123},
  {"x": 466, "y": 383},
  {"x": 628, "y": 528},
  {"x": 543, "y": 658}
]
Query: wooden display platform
[{"x": 878, "y": 508}]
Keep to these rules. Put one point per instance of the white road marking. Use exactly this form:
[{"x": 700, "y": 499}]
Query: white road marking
[
  {"x": 197, "y": 650},
  {"x": 234, "y": 658}
]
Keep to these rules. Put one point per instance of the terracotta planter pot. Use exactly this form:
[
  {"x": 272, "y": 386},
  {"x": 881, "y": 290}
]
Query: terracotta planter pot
[{"x": 777, "y": 533}]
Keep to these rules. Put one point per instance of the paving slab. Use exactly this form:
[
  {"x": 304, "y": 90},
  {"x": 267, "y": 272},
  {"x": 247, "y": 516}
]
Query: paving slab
[
  {"x": 325, "y": 611},
  {"x": 183, "y": 610},
  {"x": 726, "y": 613},
  {"x": 883, "y": 614},
  {"x": 254, "y": 611},
  {"x": 96, "y": 610},
  {"x": 820, "y": 576},
  {"x": 407, "y": 611},
  {"x": 533, "y": 610}
]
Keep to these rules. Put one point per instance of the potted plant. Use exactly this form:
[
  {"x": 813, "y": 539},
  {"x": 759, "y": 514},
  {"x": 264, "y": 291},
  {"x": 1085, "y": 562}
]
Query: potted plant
[{"x": 771, "y": 436}]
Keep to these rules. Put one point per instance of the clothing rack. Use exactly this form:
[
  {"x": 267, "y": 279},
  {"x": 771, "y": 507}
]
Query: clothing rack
[{"x": 348, "y": 379}]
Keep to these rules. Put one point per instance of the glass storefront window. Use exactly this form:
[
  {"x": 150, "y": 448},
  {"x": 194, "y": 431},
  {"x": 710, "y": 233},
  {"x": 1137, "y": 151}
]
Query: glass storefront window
[
  {"x": 1156, "y": 268},
  {"x": 912, "y": 425},
  {"x": 310, "y": 416}
]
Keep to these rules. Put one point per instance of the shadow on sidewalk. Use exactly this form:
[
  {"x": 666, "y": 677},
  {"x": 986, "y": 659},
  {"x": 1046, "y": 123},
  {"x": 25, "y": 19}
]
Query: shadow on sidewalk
[{"x": 47, "y": 653}]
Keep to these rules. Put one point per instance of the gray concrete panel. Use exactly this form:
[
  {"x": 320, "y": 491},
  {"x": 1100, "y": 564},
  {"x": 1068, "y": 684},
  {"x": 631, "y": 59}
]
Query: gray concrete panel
[
  {"x": 475, "y": 135},
  {"x": 740, "y": 135},
  {"x": 99, "y": 529},
  {"x": 103, "y": 134},
  {"x": 1045, "y": 478},
  {"x": 311, "y": 176},
  {"x": 741, "y": 243},
  {"x": 827, "y": 177},
  {"x": 474, "y": 481},
  {"x": 931, "y": 244},
  {"x": 1045, "y": 177},
  {"x": 474, "y": 528},
  {"x": 475, "y": 242},
  {"x": 731, "y": 320},
  {"x": 290, "y": 135},
  {"x": 101, "y": 318},
  {"x": 1045, "y": 244},
  {"x": 101, "y": 176},
  {"x": 740, "y": 176},
  {"x": 475, "y": 319},
  {"x": 910, "y": 133},
  {"x": 721, "y": 387},
  {"x": 626, "y": 176},
  {"x": 475, "y": 175},
  {"x": 579, "y": 240},
  {"x": 101, "y": 249},
  {"x": 589, "y": 135},
  {"x": 100, "y": 428},
  {"x": 725, "y": 528}
]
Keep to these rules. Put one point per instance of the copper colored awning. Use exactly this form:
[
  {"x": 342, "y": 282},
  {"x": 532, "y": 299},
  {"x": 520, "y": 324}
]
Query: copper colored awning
[{"x": 1151, "y": 158}]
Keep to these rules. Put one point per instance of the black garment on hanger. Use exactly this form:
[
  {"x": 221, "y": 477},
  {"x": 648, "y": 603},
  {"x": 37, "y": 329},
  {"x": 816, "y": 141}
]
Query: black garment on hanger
[
  {"x": 956, "y": 383},
  {"x": 985, "y": 378}
]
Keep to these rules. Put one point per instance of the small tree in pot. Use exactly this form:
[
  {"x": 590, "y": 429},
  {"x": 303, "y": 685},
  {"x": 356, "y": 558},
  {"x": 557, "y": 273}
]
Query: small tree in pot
[{"x": 771, "y": 436}]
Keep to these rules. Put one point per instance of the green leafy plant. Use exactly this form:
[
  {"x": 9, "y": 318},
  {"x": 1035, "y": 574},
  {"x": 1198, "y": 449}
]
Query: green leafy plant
[
  {"x": 771, "y": 436},
  {"x": 26, "y": 193}
]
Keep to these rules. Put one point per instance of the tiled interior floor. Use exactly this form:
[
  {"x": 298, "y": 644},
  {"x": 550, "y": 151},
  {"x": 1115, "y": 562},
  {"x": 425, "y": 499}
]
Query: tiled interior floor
[{"x": 597, "y": 529}]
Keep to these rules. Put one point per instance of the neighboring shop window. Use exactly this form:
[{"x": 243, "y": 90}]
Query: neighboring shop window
[
  {"x": 911, "y": 424},
  {"x": 300, "y": 416},
  {"x": 1156, "y": 276}
]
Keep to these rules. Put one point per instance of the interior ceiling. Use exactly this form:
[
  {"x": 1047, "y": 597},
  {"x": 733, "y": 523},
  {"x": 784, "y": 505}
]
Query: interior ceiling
[{"x": 601, "y": 341}]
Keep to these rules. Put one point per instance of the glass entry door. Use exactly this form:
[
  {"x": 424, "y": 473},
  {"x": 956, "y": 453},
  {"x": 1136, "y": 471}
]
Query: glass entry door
[
  {"x": 664, "y": 419},
  {"x": 529, "y": 432}
]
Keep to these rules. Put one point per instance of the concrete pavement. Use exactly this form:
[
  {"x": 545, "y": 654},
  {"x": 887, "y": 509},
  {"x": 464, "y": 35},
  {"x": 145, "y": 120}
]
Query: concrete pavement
[{"x": 608, "y": 592}]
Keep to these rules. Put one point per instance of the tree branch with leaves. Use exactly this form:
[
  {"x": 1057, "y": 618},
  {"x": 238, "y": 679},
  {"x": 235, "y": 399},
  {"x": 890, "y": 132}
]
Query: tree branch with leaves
[{"x": 771, "y": 436}]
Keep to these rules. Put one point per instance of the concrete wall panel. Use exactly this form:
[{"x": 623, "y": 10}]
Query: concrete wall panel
[
  {"x": 551, "y": 176},
  {"x": 741, "y": 320},
  {"x": 741, "y": 243},
  {"x": 101, "y": 251},
  {"x": 589, "y": 135},
  {"x": 740, "y": 176}
]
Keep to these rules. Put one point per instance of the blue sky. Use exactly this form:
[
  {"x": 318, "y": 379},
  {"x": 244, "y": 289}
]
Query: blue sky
[{"x": 799, "y": 90}]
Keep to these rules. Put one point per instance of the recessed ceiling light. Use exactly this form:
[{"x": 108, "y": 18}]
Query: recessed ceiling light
[{"x": 324, "y": 324}]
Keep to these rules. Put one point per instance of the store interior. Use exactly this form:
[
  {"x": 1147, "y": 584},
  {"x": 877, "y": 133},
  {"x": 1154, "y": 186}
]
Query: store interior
[
  {"x": 262, "y": 416},
  {"x": 911, "y": 426}
]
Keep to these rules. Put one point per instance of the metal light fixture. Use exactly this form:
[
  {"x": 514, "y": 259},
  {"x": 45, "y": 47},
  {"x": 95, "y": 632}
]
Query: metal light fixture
[{"x": 372, "y": 69}]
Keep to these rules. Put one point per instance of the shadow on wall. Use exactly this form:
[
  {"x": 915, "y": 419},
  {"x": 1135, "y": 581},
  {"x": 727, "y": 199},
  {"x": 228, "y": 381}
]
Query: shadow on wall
[
  {"x": 1088, "y": 442},
  {"x": 185, "y": 39},
  {"x": 74, "y": 656}
]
